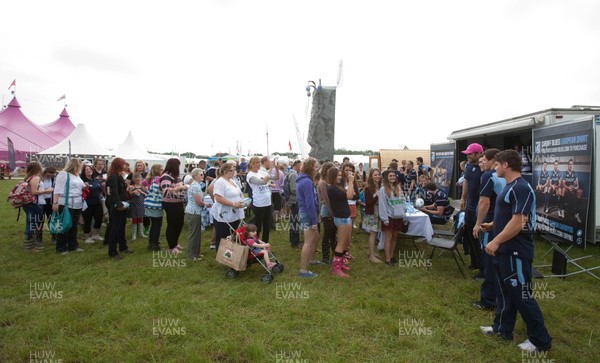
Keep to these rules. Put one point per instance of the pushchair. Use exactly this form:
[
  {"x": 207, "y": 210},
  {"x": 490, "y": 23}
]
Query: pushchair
[{"x": 238, "y": 235}]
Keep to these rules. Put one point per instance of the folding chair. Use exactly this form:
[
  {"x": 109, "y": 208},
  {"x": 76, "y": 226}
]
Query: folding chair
[
  {"x": 449, "y": 245},
  {"x": 560, "y": 261}
]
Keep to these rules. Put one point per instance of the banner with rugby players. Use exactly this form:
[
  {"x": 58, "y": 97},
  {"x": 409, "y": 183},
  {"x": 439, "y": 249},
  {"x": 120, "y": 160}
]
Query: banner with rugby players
[
  {"x": 562, "y": 179},
  {"x": 442, "y": 165}
]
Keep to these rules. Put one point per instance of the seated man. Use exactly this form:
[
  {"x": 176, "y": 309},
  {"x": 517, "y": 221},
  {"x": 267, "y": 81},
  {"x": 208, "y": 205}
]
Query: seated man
[
  {"x": 440, "y": 210},
  {"x": 421, "y": 192}
]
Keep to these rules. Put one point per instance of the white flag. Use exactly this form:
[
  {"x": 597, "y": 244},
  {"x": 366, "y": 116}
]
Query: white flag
[{"x": 62, "y": 97}]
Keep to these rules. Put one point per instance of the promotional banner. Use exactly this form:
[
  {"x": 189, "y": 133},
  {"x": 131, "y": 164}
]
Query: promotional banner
[
  {"x": 11, "y": 153},
  {"x": 562, "y": 178},
  {"x": 442, "y": 164}
]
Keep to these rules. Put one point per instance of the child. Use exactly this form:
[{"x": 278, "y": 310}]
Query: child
[
  {"x": 362, "y": 202},
  {"x": 257, "y": 245},
  {"x": 138, "y": 192}
]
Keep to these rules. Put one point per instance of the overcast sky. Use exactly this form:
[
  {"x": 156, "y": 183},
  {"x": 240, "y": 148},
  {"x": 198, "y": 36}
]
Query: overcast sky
[{"x": 202, "y": 75}]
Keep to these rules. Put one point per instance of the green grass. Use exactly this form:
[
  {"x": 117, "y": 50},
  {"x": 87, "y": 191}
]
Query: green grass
[{"x": 108, "y": 310}]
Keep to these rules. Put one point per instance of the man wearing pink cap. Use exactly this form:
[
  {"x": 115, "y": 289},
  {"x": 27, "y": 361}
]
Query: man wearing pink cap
[{"x": 469, "y": 201}]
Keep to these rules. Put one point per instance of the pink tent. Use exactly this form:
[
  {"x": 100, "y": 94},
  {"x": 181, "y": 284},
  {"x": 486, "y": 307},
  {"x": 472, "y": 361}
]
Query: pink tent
[
  {"x": 26, "y": 136},
  {"x": 61, "y": 127}
]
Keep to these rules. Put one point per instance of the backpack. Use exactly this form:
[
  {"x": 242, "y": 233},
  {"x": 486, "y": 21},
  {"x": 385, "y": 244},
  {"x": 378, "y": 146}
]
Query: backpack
[
  {"x": 286, "y": 193},
  {"x": 21, "y": 195}
]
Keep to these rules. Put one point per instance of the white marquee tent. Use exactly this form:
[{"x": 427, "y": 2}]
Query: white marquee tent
[
  {"x": 81, "y": 143},
  {"x": 131, "y": 151}
]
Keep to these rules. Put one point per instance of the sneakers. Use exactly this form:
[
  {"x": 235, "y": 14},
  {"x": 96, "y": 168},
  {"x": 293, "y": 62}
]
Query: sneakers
[
  {"x": 213, "y": 246},
  {"x": 487, "y": 330},
  {"x": 97, "y": 237},
  {"x": 79, "y": 249},
  {"x": 478, "y": 305},
  {"x": 307, "y": 274},
  {"x": 90, "y": 240},
  {"x": 528, "y": 346}
]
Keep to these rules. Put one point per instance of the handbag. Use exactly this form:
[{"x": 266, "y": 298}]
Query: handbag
[
  {"x": 232, "y": 254},
  {"x": 154, "y": 198},
  {"x": 60, "y": 223}
]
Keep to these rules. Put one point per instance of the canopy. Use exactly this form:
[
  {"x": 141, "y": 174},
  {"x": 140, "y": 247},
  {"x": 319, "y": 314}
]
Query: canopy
[
  {"x": 61, "y": 127},
  {"x": 82, "y": 143},
  {"x": 131, "y": 151},
  {"x": 26, "y": 136}
]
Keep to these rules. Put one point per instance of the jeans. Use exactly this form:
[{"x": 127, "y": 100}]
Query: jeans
[
  {"x": 294, "y": 225},
  {"x": 35, "y": 219},
  {"x": 68, "y": 241},
  {"x": 93, "y": 211},
  {"x": 263, "y": 219},
  {"x": 222, "y": 230},
  {"x": 328, "y": 243},
  {"x": 154, "y": 236},
  {"x": 116, "y": 233}
]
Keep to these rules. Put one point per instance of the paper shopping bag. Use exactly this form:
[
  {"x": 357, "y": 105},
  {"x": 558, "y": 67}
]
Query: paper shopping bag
[{"x": 232, "y": 254}]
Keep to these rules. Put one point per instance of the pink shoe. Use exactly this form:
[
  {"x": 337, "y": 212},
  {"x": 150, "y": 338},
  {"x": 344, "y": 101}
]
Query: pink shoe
[
  {"x": 336, "y": 267},
  {"x": 179, "y": 247},
  {"x": 174, "y": 250},
  {"x": 348, "y": 256},
  {"x": 271, "y": 265},
  {"x": 345, "y": 268}
]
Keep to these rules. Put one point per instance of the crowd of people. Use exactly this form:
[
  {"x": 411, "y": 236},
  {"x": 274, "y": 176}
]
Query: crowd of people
[{"x": 322, "y": 201}]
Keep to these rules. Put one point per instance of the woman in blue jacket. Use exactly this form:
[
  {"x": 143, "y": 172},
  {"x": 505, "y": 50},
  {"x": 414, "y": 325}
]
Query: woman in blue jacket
[{"x": 307, "y": 213}]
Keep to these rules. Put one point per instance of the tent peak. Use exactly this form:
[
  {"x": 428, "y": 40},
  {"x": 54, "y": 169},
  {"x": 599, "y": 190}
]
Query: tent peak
[
  {"x": 14, "y": 103},
  {"x": 64, "y": 113}
]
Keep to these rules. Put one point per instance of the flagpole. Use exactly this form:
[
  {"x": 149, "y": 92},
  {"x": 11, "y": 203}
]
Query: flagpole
[{"x": 268, "y": 153}]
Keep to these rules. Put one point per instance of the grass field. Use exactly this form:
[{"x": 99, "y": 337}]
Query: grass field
[{"x": 84, "y": 307}]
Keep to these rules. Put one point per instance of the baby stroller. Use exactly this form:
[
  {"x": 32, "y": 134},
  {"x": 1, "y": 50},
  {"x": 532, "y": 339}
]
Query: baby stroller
[{"x": 268, "y": 276}]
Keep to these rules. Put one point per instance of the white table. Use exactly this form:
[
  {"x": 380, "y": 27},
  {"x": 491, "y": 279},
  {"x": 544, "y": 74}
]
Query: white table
[{"x": 420, "y": 225}]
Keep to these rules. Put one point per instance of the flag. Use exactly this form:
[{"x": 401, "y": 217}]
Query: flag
[
  {"x": 11, "y": 153},
  {"x": 13, "y": 84},
  {"x": 290, "y": 143},
  {"x": 62, "y": 97}
]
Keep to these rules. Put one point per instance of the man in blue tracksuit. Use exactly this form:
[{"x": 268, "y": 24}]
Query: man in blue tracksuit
[
  {"x": 512, "y": 248},
  {"x": 490, "y": 187},
  {"x": 469, "y": 201}
]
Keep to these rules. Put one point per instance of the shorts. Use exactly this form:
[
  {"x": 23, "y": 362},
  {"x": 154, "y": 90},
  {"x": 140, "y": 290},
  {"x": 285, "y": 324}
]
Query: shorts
[
  {"x": 352, "y": 210},
  {"x": 304, "y": 220},
  {"x": 257, "y": 251},
  {"x": 276, "y": 201},
  {"x": 341, "y": 221},
  {"x": 396, "y": 225}
]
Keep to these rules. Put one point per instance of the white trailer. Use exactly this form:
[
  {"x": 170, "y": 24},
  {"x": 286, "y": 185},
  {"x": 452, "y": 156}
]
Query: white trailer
[{"x": 562, "y": 135}]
